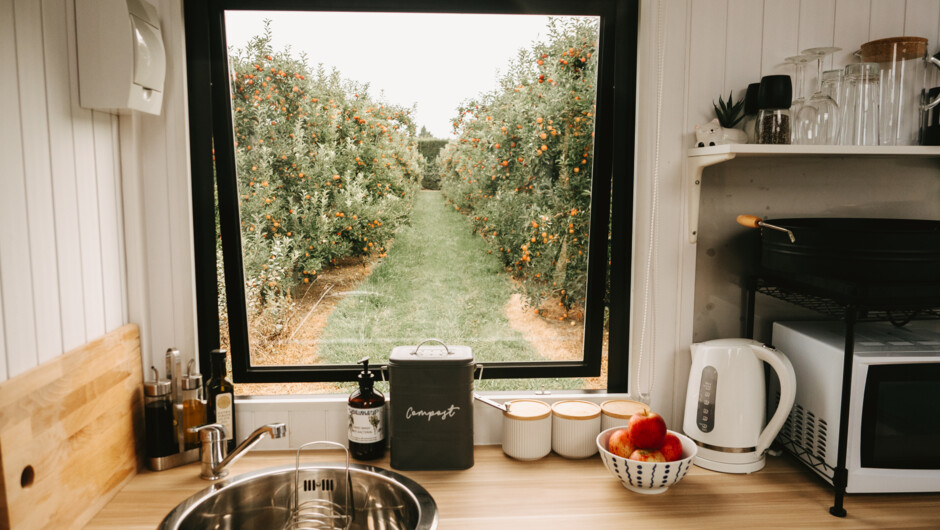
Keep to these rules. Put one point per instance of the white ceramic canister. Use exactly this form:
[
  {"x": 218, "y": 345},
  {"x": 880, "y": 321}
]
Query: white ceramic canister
[
  {"x": 575, "y": 426},
  {"x": 617, "y": 412},
  {"x": 527, "y": 429}
]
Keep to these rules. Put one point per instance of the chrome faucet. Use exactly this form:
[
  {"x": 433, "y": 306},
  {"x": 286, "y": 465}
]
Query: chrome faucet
[{"x": 212, "y": 451}]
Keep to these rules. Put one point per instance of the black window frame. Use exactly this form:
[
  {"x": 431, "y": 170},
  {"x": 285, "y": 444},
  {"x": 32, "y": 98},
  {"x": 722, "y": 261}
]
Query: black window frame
[{"x": 210, "y": 115}]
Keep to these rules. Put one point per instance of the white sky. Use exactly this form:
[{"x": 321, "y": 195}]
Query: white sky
[{"x": 434, "y": 60}]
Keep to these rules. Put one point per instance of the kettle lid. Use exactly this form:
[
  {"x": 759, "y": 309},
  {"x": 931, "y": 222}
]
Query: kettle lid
[{"x": 728, "y": 343}]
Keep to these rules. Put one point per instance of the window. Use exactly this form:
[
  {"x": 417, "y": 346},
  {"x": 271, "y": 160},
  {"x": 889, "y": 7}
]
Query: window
[{"x": 335, "y": 218}]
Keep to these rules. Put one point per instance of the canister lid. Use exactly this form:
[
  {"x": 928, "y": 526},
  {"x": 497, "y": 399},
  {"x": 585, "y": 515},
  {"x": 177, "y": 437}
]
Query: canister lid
[
  {"x": 431, "y": 352},
  {"x": 527, "y": 409},
  {"x": 750, "y": 99},
  {"x": 894, "y": 49},
  {"x": 622, "y": 408},
  {"x": 158, "y": 387},
  {"x": 575, "y": 409},
  {"x": 775, "y": 92}
]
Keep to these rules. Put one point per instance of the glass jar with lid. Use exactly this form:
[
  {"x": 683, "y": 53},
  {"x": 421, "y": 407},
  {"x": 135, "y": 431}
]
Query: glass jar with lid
[
  {"x": 773, "y": 119},
  {"x": 194, "y": 406},
  {"x": 158, "y": 417}
]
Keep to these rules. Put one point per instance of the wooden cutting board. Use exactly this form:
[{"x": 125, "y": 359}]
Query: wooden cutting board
[{"x": 70, "y": 430}]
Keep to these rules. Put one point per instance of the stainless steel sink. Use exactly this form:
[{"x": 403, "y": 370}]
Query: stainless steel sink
[{"x": 381, "y": 499}]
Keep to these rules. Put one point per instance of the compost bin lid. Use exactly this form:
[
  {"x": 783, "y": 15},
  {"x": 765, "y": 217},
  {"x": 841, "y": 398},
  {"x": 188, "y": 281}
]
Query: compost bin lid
[{"x": 431, "y": 352}]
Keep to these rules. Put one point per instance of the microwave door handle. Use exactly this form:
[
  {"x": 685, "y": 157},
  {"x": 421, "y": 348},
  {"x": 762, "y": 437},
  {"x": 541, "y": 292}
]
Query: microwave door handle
[{"x": 787, "y": 377}]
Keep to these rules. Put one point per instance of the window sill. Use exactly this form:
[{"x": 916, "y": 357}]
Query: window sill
[{"x": 323, "y": 417}]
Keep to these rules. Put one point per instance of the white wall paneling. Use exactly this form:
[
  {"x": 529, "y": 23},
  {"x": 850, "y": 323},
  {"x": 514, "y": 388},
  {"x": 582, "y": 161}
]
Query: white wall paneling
[
  {"x": 712, "y": 48},
  {"x": 740, "y": 51},
  {"x": 817, "y": 18},
  {"x": 61, "y": 254},
  {"x": 157, "y": 216},
  {"x": 15, "y": 272},
  {"x": 887, "y": 19},
  {"x": 180, "y": 202},
  {"x": 851, "y": 28},
  {"x": 706, "y": 59},
  {"x": 65, "y": 205},
  {"x": 780, "y": 36},
  {"x": 38, "y": 174},
  {"x": 87, "y": 187}
]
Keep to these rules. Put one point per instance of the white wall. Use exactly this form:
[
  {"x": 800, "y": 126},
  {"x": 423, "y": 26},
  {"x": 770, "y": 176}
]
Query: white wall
[
  {"x": 80, "y": 185},
  {"x": 709, "y": 48},
  {"x": 62, "y": 273},
  {"x": 159, "y": 230}
]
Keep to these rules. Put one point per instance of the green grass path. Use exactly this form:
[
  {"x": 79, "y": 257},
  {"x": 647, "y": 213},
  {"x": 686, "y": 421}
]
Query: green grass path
[{"x": 437, "y": 281}]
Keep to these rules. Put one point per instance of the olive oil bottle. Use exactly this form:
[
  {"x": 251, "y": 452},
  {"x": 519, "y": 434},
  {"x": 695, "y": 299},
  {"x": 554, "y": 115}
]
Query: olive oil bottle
[{"x": 220, "y": 398}]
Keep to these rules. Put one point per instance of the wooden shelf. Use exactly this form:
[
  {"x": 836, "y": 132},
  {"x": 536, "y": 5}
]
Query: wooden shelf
[
  {"x": 701, "y": 157},
  {"x": 762, "y": 150}
]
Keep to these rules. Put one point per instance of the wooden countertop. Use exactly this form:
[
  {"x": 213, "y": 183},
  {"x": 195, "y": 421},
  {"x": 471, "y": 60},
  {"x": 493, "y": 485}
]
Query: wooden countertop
[{"x": 499, "y": 492}]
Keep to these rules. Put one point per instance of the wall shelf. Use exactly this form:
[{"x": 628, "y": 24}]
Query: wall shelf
[
  {"x": 701, "y": 157},
  {"x": 763, "y": 150}
]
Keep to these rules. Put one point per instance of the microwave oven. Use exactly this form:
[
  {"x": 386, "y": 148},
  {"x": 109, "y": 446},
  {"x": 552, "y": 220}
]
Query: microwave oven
[{"x": 894, "y": 403}]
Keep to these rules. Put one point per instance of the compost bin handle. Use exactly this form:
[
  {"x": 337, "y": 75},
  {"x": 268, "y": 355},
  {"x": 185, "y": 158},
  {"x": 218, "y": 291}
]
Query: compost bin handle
[{"x": 425, "y": 341}]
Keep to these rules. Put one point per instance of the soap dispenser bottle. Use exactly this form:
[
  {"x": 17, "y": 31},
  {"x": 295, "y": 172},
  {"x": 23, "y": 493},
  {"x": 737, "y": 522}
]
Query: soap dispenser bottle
[{"x": 366, "y": 418}]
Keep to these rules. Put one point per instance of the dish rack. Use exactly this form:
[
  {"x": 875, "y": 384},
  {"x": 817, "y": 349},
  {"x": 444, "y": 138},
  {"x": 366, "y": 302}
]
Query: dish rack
[{"x": 322, "y": 512}]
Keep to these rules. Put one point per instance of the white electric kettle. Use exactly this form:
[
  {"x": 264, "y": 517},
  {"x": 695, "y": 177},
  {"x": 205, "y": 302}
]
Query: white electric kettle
[{"x": 725, "y": 404}]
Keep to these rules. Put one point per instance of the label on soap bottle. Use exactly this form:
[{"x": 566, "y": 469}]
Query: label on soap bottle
[
  {"x": 366, "y": 425},
  {"x": 224, "y": 412}
]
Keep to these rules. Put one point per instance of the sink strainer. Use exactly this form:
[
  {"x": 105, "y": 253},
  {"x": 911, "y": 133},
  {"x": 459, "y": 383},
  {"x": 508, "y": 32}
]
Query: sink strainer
[{"x": 320, "y": 513}]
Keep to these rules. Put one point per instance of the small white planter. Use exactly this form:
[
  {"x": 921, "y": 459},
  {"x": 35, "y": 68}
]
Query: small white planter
[{"x": 575, "y": 426}]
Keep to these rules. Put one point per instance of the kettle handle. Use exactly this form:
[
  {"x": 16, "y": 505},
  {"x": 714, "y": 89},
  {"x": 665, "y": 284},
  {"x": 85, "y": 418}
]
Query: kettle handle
[
  {"x": 935, "y": 60},
  {"x": 787, "y": 377}
]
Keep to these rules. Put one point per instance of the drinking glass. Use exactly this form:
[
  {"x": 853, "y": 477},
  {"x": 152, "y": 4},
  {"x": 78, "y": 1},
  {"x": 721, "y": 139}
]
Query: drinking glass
[
  {"x": 832, "y": 83},
  {"x": 817, "y": 121},
  {"x": 799, "y": 63},
  {"x": 860, "y": 104}
]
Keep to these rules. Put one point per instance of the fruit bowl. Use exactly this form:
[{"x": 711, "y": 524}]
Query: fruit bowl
[{"x": 647, "y": 477}]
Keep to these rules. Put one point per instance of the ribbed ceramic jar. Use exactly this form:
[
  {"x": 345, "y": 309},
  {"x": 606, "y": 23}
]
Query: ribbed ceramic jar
[
  {"x": 617, "y": 412},
  {"x": 575, "y": 426},
  {"x": 527, "y": 429}
]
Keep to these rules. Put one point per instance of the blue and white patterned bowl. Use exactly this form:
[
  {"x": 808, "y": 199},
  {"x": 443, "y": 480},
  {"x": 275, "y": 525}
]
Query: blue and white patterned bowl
[{"x": 647, "y": 477}]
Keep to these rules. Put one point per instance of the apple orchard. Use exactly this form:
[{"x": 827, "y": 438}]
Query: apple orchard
[{"x": 326, "y": 170}]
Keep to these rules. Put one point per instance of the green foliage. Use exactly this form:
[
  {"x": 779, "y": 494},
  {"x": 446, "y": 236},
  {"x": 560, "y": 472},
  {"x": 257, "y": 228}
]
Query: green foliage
[
  {"x": 429, "y": 148},
  {"x": 324, "y": 170},
  {"x": 521, "y": 166},
  {"x": 730, "y": 113}
]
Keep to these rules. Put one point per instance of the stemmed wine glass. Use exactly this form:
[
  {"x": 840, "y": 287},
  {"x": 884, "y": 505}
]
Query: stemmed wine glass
[
  {"x": 817, "y": 121},
  {"x": 799, "y": 62}
]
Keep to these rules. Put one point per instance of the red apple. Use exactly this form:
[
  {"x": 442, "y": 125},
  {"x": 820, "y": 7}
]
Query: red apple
[
  {"x": 647, "y": 430},
  {"x": 619, "y": 443},
  {"x": 646, "y": 455},
  {"x": 672, "y": 448}
]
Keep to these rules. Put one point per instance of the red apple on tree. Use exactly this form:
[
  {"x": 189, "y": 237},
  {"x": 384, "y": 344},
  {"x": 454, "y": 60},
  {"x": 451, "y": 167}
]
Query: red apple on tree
[
  {"x": 646, "y": 455},
  {"x": 620, "y": 444},
  {"x": 672, "y": 448},
  {"x": 647, "y": 430}
]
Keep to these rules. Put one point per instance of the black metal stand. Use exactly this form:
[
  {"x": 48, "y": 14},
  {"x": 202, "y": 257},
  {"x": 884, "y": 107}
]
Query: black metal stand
[{"x": 853, "y": 302}]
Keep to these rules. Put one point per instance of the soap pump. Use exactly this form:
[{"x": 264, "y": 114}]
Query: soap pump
[{"x": 366, "y": 417}]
